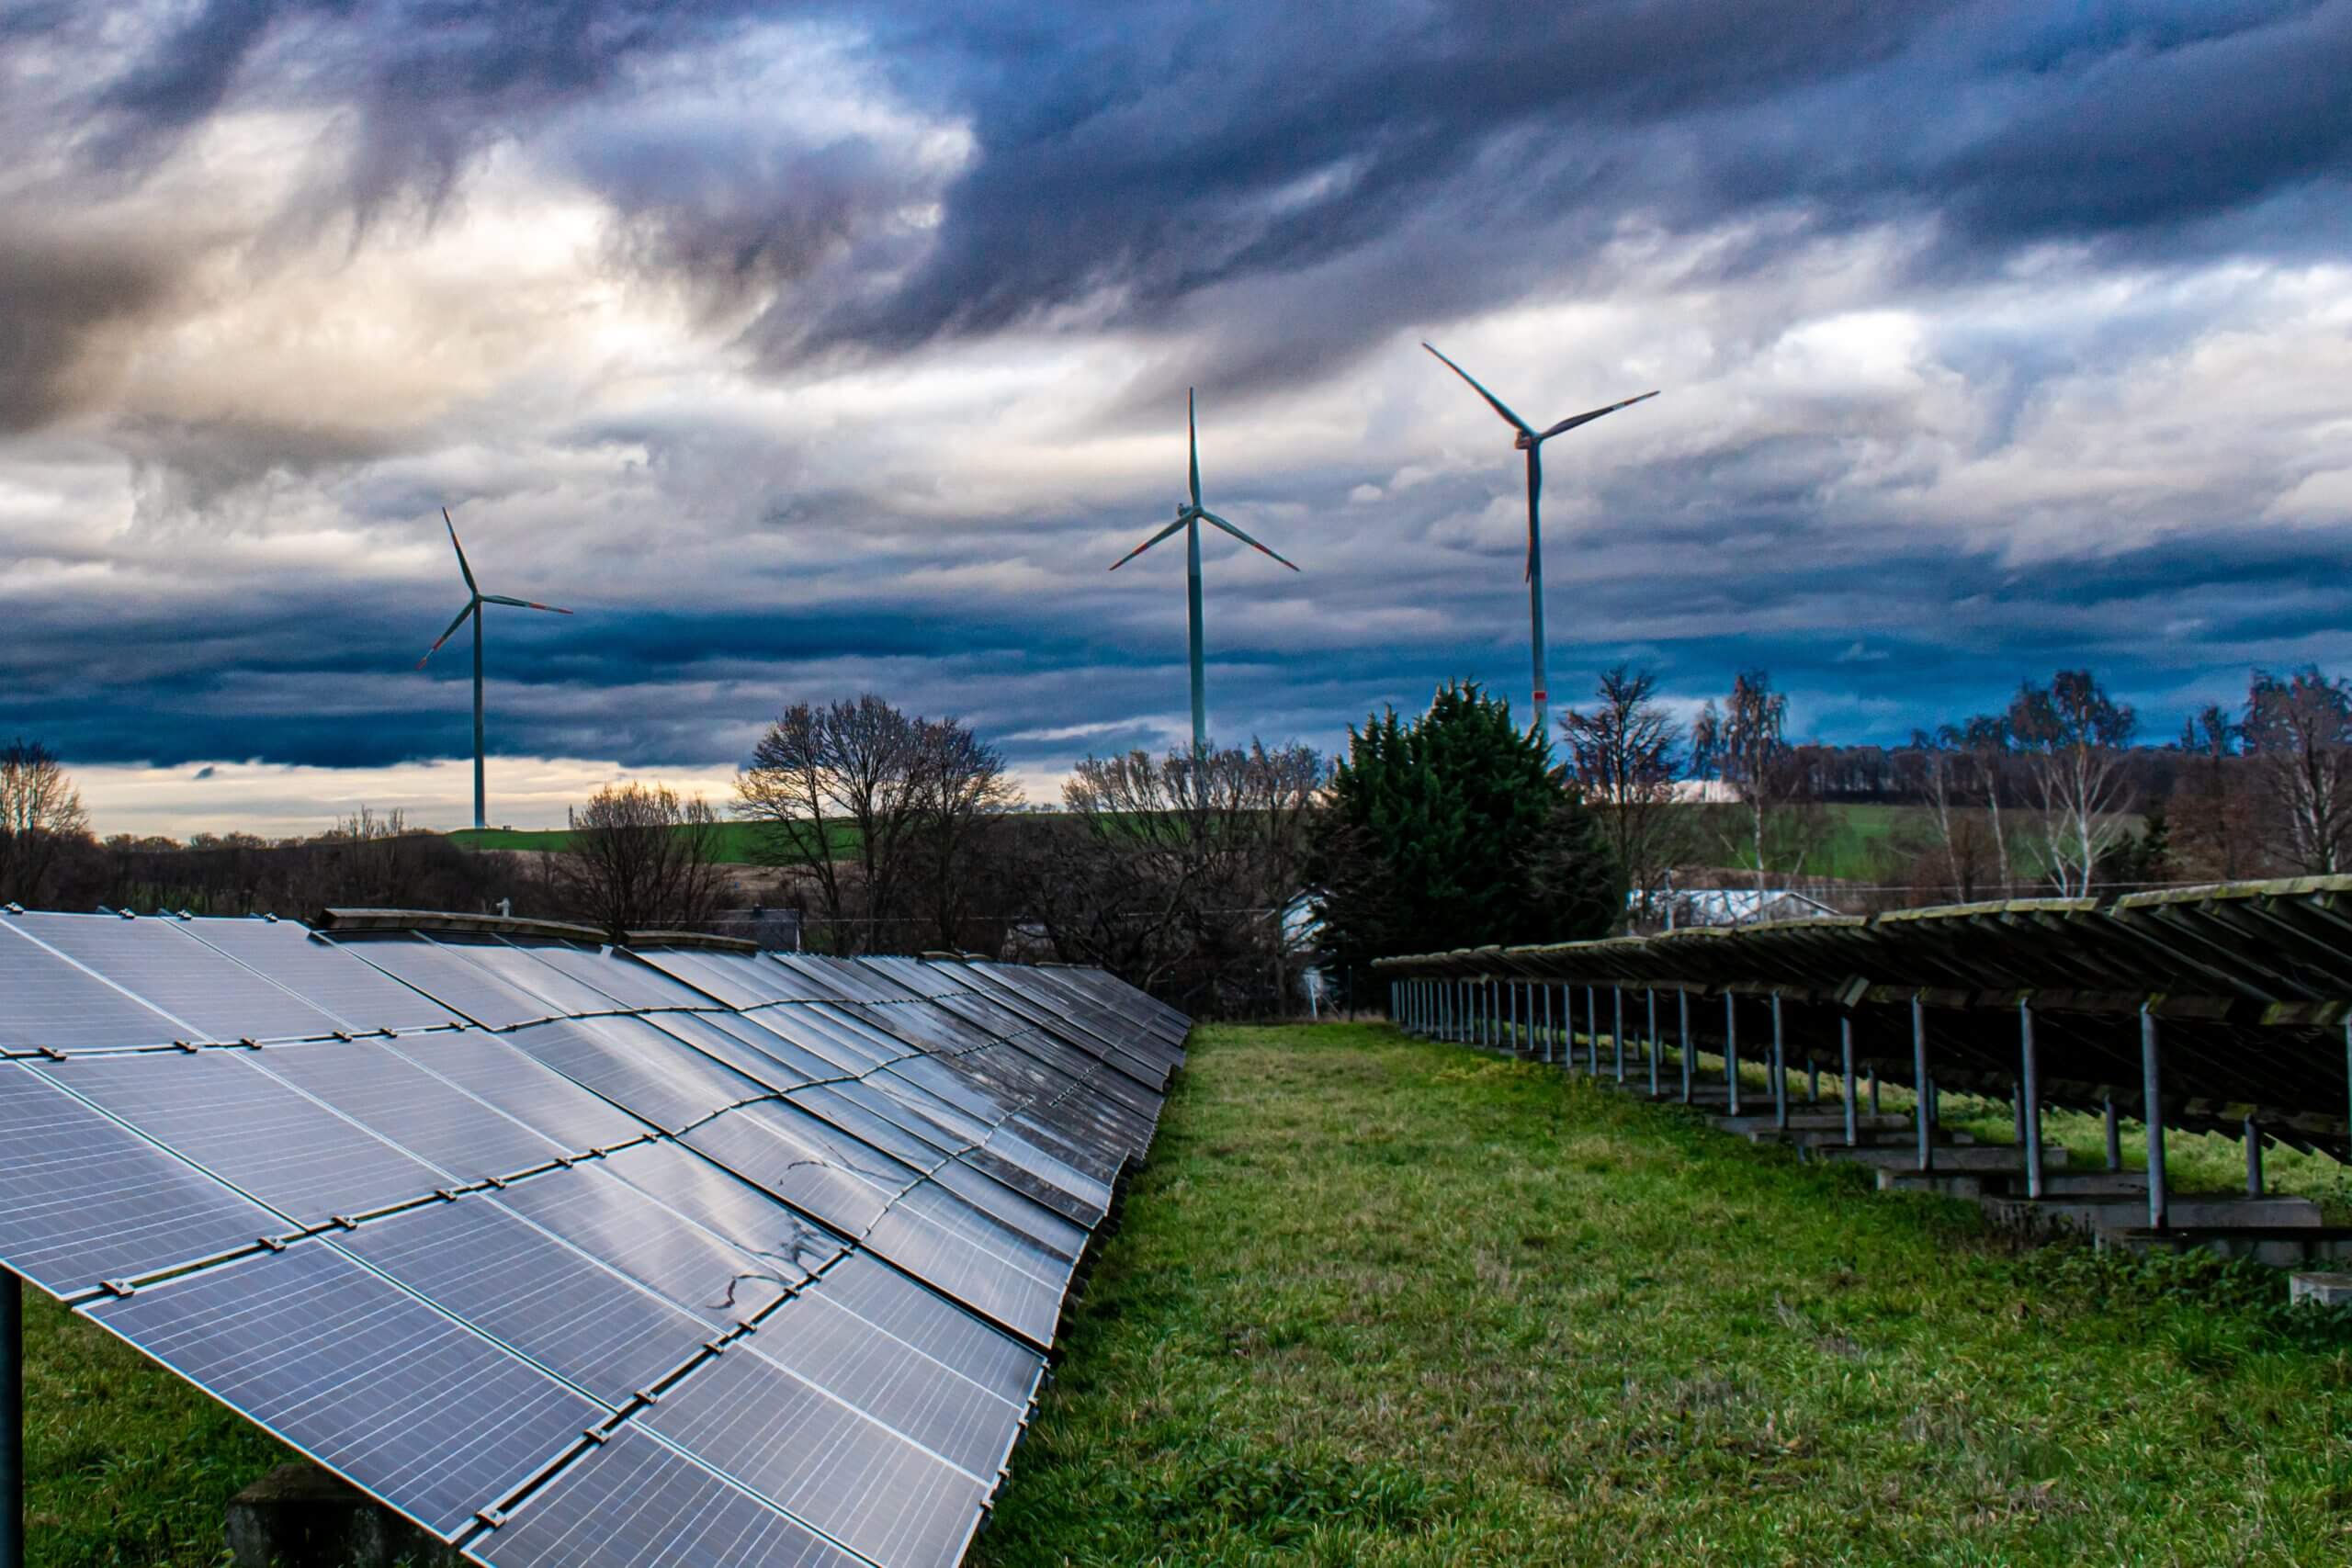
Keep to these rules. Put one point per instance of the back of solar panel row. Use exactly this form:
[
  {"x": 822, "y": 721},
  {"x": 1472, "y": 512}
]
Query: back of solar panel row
[{"x": 690, "y": 1255}]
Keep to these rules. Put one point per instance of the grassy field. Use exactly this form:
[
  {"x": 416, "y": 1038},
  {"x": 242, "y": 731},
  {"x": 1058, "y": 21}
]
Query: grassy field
[
  {"x": 1858, "y": 849},
  {"x": 1383, "y": 1302},
  {"x": 738, "y": 841},
  {"x": 1378, "y": 1301}
]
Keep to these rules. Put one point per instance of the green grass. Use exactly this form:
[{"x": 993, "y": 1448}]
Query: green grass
[
  {"x": 739, "y": 843},
  {"x": 126, "y": 1466},
  {"x": 1378, "y": 1301}
]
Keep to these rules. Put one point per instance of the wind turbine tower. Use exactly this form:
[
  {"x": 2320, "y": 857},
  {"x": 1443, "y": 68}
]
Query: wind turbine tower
[
  {"x": 475, "y": 600},
  {"x": 1190, "y": 516},
  {"x": 1530, "y": 441}
]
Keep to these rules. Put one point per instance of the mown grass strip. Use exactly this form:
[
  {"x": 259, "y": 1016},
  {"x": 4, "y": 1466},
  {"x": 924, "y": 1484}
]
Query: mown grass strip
[{"x": 1378, "y": 1301}]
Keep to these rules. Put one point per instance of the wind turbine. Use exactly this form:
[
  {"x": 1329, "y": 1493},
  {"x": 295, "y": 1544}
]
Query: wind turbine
[
  {"x": 1189, "y": 517},
  {"x": 1530, "y": 441},
  {"x": 475, "y": 600}
]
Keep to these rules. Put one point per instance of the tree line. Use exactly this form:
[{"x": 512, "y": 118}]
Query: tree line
[{"x": 1215, "y": 879}]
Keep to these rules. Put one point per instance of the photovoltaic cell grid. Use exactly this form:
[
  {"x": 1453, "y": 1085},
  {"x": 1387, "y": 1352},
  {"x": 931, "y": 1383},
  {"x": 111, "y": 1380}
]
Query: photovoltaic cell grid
[{"x": 577, "y": 1255}]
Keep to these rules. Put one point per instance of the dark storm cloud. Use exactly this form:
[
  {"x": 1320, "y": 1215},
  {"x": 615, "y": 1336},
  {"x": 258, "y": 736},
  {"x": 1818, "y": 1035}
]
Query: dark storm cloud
[{"x": 1255, "y": 198}]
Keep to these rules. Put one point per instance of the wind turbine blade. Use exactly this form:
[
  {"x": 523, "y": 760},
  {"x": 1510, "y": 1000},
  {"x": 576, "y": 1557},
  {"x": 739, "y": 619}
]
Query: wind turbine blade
[
  {"x": 1213, "y": 517},
  {"x": 1492, "y": 401},
  {"x": 1596, "y": 414},
  {"x": 521, "y": 603},
  {"x": 471, "y": 606},
  {"x": 1153, "y": 540},
  {"x": 471, "y": 583},
  {"x": 1193, "y": 434}
]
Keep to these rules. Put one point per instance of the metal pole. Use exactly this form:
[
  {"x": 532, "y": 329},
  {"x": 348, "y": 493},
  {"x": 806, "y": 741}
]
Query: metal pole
[
  {"x": 1731, "y": 1050},
  {"x": 1813, "y": 1079},
  {"x": 1920, "y": 1081},
  {"x": 1685, "y": 995},
  {"x": 1592, "y": 1029},
  {"x": 1654, "y": 1046},
  {"x": 1617, "y": 1029},
  {"x": 1193, "y": 617},
  {"x": 2253, "y": 1159},
  {"x": 1535, "y": 594},
  {"x": 482, "y": 808},
  {"x": 1779, "y": 1071},
  {"x": 1873, "y": 1092},
  {"x": 1547, "y": 1022},
  {"x": 12, "y": 1420},
  {"x": 2030, "y": 1099},
  {"x": 1846, "y": 1054},
  {"x": 2114, "y": 1132},
  {"x": 2152, "y": 1088}
]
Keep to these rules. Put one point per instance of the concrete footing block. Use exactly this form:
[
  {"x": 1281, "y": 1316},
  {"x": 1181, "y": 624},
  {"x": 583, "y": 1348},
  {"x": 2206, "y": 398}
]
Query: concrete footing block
[
  {"x": 2319, "y": 1290},
  {"x": 2284, "y": 1248},
  {"x": 2129, "y": 1211},
  {"x": 1979, "y": 1158},
  {"x": 300, "y": 1516}
]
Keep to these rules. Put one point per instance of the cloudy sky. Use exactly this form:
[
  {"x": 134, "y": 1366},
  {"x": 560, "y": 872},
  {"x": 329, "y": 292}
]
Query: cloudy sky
[{"x": 805, "y": 350}]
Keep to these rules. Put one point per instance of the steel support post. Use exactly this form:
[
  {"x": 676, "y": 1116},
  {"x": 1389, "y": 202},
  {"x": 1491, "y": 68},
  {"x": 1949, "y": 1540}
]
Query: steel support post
[
  {"x": 1654, "y": 1045},
  {"x": 1779, "y": 1071},
  {"x": 2253, "y": 1157},
  {"x": 1731, "y": 1052},
  {"x": 12, "y": 1420},
  {"x": 1617, "y": 1029},
  {"x": 1813, "y": 1079},
  {"x": 2114, "y": 1132},
  {"x": 1919, "y": 1086},
  {"x": 1547, "y": 1022},
  {"x": 2152, "y": 1090},
  {"x": 1592, "y": 1029},
  {"x": 2030, "y": 1099},
  {"x": 1845, "y": 1055},
  {"x": 1873, "y": 1092},
  {"x": 1685, "y": 998}
]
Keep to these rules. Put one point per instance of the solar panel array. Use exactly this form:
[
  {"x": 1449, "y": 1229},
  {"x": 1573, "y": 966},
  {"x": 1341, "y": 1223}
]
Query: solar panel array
[
  {"x": 2248, "y": 985},
  {"x": 576, "y": 1255}
]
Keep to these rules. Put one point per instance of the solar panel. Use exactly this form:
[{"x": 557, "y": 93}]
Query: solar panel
[
  {"x": 830, "y": 1222},
  {"x": 652, "y": 1075},
  {"x": 403, "y": 1103},
  {"x": 892, "y": 1303},
  {"x": 489, "y": 1067},
  {"x": 637, "y": 1501},
  {"x": 522, "y": 1287},
  {"x": 82, "y": 1200},
  {"x": 630, "y": 980},
  {"x": 256, "y": 1133},
  {"x": 443, "y": 973},
  {"x": 908, "y": 1391},
  {"x": 528, "y": 969},
  {"x": 176, "y": 974},
  {"x": 663, "y": 1247},
  {"x": 54, "y": 1003},
  {"x": 359, "y": 1374},
  {"x": 330, "y": 979},
  {"x": 822, "y": 1461}
]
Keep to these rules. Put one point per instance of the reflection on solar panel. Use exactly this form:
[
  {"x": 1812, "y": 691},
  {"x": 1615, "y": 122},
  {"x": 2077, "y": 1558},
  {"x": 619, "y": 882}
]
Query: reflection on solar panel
[{"x": 578, "y": 1255}]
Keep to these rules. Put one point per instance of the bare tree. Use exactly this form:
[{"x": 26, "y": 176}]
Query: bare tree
[
  {"x": 844, "y": 778},
  {"x": 2210, "y": 803},
  {"x": 960, "y": 788},
  {"x": 1177, "y": 872},
  {"x": 641, "y": 858},
  {"x": 40, "y": 819},
  {"x": 2073, "y": 734},
  {"x": 1985, "y": 742},
  {"x": 1625, "y": 755},
  {"x": 2299, "y": 731},
  {"x": 1746, "y": 745}
]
